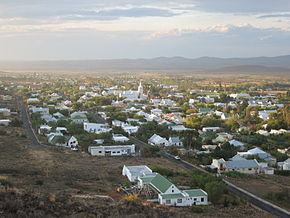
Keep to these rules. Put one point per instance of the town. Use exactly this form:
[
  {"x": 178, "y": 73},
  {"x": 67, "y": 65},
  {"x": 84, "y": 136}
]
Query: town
[{"x": 238, "y": 131}]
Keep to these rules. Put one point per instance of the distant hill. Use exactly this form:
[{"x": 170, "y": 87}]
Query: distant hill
[{"x": 279, "y": 64}]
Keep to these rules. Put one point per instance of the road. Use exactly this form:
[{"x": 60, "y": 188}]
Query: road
[
  {"x": 27, "y": 125},
  {"x": 251, "y": 198}
]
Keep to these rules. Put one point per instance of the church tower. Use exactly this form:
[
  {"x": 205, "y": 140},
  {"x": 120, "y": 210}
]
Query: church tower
[{"x": 140, "y": 90}]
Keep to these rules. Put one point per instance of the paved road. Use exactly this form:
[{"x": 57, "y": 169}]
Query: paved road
[
  {"x": 27, "y": 125},
  {"x": 261, "y": 203}
]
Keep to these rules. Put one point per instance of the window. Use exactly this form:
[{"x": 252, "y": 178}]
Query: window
[
  {"x": 250, "y": 168},
  {"x": 179, "y": 200},
  {"x": 195, "y": 199},
  {"x": 172, "y": 190},
  {"x": 168, "y": 201},
  {"x": 100, "y": 151},
  {"x": 202, "y": 199}
]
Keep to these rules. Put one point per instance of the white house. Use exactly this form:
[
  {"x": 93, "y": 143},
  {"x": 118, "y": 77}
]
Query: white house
[
  {"x": 116, "y": 150},
  {"x": 158, "y": 140},
  {"x": 44, "y": 129},
  {"x": 96, "y": 128},
  {"x": 133, "y": 172},
  {"x": 66, "y": 141},
  {"x": 5, "y": 111},
  {"x": 175, "y": 141},
  {"x": 236, "y": 143},
  {"x": 237, "y": 164},
  {"x": 169, "y": 194},
  {"x": 40, "y": 110},
  {"x": 260, "y": 153},
  {"x": 129, "y": 128},
  {"x": 4, "y": 122},
  {"x": 210, "y": 129},
  {"x": 284, "y": 165},
  {"x": 119, "y": 138}
]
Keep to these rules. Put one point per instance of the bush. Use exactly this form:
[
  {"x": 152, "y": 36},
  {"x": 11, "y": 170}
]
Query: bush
[
  {"x": 163, "y": 171},
  {"x": 282, "y": 172},
  {"x": 215, "y": 190},
  {"x": 196, "y": 209},
  {"x": 39, "y": 182},
  {"x": 234, "y": 174}
]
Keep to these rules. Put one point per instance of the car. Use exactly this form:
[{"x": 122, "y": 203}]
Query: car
[
  {"x": 74, "y": 149},
  {"x": 177, "y": 158}
]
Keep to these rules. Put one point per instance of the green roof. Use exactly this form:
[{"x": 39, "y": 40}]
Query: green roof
[
  {"x": 204, "y": 109},
  {"x": 195, "y": 192},
  {"x": 161, "y": 183},
  {"x": 146, "y": 179},
  {"x": 172, "y": 196},
  {"x": 78, "y": 117}
]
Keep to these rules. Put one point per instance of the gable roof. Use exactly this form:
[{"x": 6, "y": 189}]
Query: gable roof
[
  {"x": 195, "y": 192},
  {"x": 160, "y": 183},
  {"x": 241, "y": 164},
  {"x": 172, "y": 196}
]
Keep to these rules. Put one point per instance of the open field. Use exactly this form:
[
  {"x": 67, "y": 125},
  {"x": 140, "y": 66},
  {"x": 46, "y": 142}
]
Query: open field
[{"x": 44, "y": 178}]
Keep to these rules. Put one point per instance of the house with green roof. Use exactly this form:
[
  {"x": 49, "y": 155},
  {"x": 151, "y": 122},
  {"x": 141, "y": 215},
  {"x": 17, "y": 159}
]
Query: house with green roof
[{"x": 169, "y": 194}]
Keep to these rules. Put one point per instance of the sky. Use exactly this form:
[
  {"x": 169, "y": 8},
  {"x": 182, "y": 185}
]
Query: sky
[{"x": 109, "y": 29}]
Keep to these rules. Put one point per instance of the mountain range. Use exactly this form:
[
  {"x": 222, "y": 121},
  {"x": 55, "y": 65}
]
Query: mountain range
[{"x": 278, "y": 64}]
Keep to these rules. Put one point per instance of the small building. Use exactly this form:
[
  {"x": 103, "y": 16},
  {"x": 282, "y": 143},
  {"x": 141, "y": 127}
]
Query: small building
[
  {"x": 133, "y": 172},
  {"x": 5, "y": 112},
  {"x": 158, "y": 140},
  {"x": 175, "y": 141},
  {"x": 116, "y": 150},
  {"x": 119, "y": 138},
  {"x": 5, "y": 122},
  {"x": 96, "y": 128},
  {"x": 237, "y": 164},
  {"x": 65, "y": 141}
]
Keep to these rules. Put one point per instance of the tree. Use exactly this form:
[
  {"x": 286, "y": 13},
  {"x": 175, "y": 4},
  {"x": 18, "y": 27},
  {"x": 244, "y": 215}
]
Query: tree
[
  {"x": 150, "y": 151},
  {"x": 215, "y": 190}
]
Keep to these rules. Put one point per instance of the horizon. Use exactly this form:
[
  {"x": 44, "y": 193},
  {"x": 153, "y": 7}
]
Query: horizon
[{"x": 74, "y": 30}]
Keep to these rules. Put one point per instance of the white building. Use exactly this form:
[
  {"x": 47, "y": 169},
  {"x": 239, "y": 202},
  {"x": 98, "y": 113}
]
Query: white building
[
  {"x": 116, "y": 150},
  {"x": 134, "y": 95},
  {"x": 96, "y": 128},
  {"x": 119, "y": 138},
  {"x": 133, "y": 172},
  {"x": 158, "y": 140}
]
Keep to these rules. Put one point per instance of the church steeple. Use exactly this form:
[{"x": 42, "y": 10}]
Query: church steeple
[{"x": 140, "y": 89}]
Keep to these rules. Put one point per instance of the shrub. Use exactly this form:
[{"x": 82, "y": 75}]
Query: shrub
[
  {"x": 196, "y": 209},
  {"x": 39, "y": 182},
  {"x": 282, "y": 172},
  {"x": 234, "y": 174},
  {"x": 163, "y": 171}
]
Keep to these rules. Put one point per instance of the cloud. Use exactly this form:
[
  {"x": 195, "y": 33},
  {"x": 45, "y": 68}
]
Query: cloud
[
  {"x": 113, "y": 14},
  {"x": 243, "y": 6},
  {"x": 274, "y": 15}
]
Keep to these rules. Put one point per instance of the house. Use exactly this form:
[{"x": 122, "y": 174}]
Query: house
[
  {"x": 169, "y": 194},
  {"x": 175, "y": 141},
  {"x": 210, "y": 129},
  {"x": 99, "y": 141},
  {"x": 178, "y": 128},
  {"x": 79, "y": 117},
  {"x": 44, "y": 129},
  {"x": 119, "y": 138},
  {"x": 96, "y": 128},
  {"x": 236, "y": 143},
  {"x": 32, "y": 100},
  {"x": 61, "y": 130},
  {"x": 284, "y": 165},
  {"x": 116, "y": 150},
  {"x": 4, "y": 122},
  {"x": 260, "y": 153},
  {"x": 237, "y": 164},
  {"x": 48, "y": 118},
  {"x": 117, "y": 123},
  {"x": 66, "y": 141},
  {"x": 5, "y": 112},
  {"x": 158, "y": 140},
  {"x": 40, "y": 110},
  {"x": 133, "y": 172},
  {"x": 130, "y": 129}
]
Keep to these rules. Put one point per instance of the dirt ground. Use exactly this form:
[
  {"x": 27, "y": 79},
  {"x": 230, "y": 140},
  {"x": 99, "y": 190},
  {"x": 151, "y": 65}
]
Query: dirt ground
[
  {"x": 39, "y": 174},
  {"x": 261, "y": 185}
]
